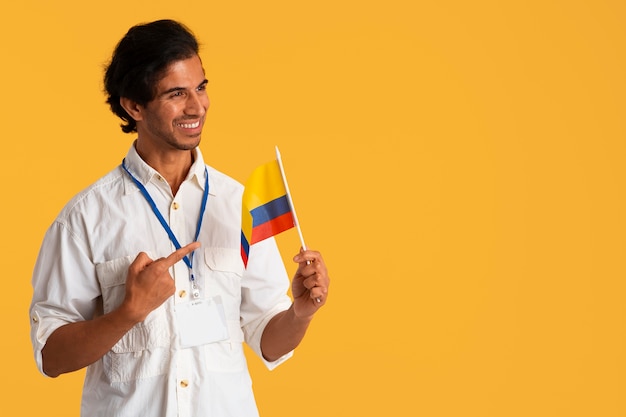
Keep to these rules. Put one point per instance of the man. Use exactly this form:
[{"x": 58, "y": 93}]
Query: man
[{"x": 161, "y": 337}]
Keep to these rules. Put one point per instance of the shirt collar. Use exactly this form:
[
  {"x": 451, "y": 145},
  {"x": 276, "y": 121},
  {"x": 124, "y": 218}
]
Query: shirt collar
[{"x": 145, "y": 173}]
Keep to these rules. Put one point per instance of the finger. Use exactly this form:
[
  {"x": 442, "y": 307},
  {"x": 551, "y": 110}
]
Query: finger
[
  {"x": 179, "y": 254},
  {"x": 140, "y": 262},
  {"x": 308, "y": 257},
  {"x": 318, "y": 294},
  {"x": 311, "y": 282},
  {"x": 314, "y": 270}
]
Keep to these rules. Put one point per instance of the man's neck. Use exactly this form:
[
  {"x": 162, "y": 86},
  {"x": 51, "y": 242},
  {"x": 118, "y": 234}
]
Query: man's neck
[{"x": 173, "y": 165}]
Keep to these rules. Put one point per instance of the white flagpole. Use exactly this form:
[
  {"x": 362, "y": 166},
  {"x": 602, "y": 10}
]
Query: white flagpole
[{"x": 293, "y": 209}]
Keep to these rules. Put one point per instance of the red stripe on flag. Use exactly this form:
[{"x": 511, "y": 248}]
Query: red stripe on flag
[
  {"x": 244, "y": 256},
  {"x": 273, "y": 227}
]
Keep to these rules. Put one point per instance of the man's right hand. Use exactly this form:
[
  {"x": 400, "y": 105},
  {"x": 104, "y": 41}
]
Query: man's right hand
[{"x": 149, "y": 283}]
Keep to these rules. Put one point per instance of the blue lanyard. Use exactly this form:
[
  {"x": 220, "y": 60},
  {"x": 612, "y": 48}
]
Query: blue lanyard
[{"x": 189, "y": 258}]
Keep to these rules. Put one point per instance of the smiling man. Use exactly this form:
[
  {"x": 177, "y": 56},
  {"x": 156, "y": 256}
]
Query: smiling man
[{"x": 140, "y": 278}]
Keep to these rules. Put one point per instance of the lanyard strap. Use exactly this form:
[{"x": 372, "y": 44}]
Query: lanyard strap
[{"x": 189, "y": 258}]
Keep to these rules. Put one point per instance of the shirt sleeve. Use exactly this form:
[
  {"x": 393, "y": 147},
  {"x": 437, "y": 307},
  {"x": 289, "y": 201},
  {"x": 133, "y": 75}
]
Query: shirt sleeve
[
  {"x": 65, "y": 288},
  {"x": 264, "y": 294}
]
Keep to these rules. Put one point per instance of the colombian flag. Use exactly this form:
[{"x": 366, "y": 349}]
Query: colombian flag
[{"x": 266, "y": 210}]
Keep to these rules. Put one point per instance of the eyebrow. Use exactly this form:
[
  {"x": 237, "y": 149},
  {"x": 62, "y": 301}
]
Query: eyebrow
[{"x": 174, "y": 89}]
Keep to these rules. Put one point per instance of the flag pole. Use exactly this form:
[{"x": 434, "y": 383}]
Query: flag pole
[{"x": 293, "y": 209}]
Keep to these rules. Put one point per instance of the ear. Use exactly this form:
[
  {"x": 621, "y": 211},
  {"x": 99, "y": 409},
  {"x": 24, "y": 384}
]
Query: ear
[{"x": 133, "y": 108}]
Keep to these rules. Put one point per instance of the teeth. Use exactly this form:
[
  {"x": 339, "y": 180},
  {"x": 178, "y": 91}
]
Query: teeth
[{"x": 189, "y": 125}]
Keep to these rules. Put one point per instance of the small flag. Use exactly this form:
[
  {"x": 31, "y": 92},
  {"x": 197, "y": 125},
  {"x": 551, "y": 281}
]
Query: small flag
[{"x": 266, "y": 208}]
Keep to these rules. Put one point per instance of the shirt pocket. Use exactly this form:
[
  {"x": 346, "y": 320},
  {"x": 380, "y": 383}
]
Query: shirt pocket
[
  {"x": 223, "y": 272},
  {"x": 143, "y": 351},
  {"x": 112, "y": 277}
]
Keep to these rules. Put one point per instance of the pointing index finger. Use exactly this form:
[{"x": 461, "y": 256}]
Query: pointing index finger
[{"x": 179, "y": 254}]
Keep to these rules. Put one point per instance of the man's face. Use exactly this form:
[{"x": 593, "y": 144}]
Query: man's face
[{"x": 174, "y": 119}]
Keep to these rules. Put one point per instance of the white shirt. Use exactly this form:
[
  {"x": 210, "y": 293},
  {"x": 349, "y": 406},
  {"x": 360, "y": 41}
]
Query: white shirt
[{"x": 81, "y": 271}]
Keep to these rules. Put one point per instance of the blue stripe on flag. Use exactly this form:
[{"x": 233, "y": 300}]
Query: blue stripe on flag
[{"x": 269, "y": 211}]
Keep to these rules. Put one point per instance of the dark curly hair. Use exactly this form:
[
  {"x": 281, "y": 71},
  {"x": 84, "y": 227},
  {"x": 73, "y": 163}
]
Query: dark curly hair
[{"x": 139, "y": 61}]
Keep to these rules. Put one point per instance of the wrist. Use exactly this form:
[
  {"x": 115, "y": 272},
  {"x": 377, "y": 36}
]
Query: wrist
[
  {"x": 297, "y": 317},
  {"x": 126, "y": 315}
]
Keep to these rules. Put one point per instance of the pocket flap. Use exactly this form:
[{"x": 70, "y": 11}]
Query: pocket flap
[
  {"x": 113, "y": 272},
  {"x": 224, "y": 259}
]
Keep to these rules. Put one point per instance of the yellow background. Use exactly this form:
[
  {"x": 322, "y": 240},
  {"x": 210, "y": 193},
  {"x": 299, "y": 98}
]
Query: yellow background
[{"x": 459, "y": 164}]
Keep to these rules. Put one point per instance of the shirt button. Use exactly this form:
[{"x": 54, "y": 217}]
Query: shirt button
[
  {"x": 184, "y": 383},
  {"x": 175, "y": 205},
  {"x": 35, "y": 320},
  {"x": 182, "y": 293}
]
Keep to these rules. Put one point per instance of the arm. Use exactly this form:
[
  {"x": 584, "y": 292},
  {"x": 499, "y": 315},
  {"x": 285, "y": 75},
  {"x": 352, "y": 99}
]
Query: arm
[
  {"x": 310, "y": 291},
  {"x": 76, "y": 345}
]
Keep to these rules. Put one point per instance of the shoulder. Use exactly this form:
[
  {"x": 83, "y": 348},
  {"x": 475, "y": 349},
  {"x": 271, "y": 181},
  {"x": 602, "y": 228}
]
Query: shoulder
[
  {"x": 106, "y": 190},
  {"x": 220, "y": 183}
]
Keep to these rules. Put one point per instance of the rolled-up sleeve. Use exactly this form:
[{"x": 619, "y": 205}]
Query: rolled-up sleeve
[
  {"x": 65, "y": 288},
  {"x": 264, "y": 294}
]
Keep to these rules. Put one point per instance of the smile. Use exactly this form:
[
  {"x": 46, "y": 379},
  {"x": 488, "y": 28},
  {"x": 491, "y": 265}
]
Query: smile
[{"x": 189, "y": 125}]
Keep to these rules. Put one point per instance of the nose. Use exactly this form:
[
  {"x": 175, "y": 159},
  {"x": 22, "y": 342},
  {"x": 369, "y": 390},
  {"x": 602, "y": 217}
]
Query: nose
[{"x": 197, "y": 104}]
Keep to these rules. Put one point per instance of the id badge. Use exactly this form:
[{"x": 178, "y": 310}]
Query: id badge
[{"x": 201, "y": 322}]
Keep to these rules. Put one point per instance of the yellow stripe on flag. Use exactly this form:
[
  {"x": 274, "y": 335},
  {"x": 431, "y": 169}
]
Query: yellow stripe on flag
[{"x": 264, "y": 185}]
